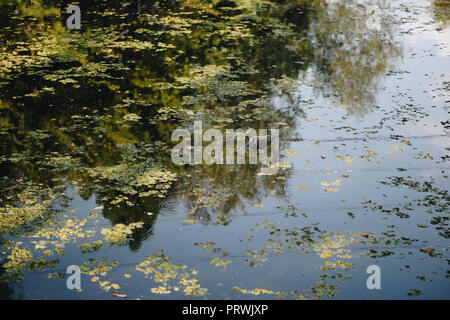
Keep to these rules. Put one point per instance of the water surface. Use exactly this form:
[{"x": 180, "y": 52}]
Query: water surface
[{"x": 87, "y": 178}]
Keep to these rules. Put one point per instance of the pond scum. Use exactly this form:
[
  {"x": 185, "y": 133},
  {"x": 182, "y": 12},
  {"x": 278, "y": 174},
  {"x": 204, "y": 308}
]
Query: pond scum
[{"x": 92, "y": 111}]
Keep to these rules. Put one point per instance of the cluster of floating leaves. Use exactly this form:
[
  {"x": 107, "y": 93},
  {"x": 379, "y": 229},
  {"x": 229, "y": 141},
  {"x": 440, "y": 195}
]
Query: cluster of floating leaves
[
  {"x": 100, "y": 267},
  {"x": 32, "y": 203},
  {"x": 172, "y": 277},
  {"x": 256, "y": 291},
  {"x": 119, "y": 233},
  {"x": 139, "y": 179},
  {"x": 436, "y": 202}
]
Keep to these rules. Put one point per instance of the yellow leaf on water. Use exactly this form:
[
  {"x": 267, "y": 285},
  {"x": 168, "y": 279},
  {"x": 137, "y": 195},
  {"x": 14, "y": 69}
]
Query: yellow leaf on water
[
  {"x": 348, "y": 159},
  {"x": 335, "y": 183},
  {"x": 190, "y": 221},
  {"x": 160, "y": 290},
  {"x": 399, "y": 149},
  {"x": 115, "y": 286},
  {"x": 290, "y": 153},
  {"x": 408, "y": 143},
  {"x": 219, "y": 262}
]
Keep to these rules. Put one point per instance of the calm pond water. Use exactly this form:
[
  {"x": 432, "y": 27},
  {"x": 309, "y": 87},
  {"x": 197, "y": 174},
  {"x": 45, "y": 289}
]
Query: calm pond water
[{"x": 360, "y": 96}]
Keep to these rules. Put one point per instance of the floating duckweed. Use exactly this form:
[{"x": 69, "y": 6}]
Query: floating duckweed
[
  {"x": 160, "y": 290},
  {"x": 219, "y": 262},
  {"x": 160, "y": 269},
  {"x": 256, "y": 291},
  {"x": 33, "y": 203},
  {"x": 119, "y": 233}
]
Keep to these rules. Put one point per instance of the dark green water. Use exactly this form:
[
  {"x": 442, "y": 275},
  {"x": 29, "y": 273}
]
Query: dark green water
[{"x": 86, "y": 175}]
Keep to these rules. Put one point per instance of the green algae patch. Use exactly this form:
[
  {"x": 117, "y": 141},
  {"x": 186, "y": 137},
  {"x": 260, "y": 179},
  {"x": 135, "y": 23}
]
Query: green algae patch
[{"x": 33, "y": 203}]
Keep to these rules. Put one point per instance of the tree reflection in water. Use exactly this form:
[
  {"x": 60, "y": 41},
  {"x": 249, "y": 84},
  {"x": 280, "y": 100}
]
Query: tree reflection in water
[{"x": 95, "y": 108}]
